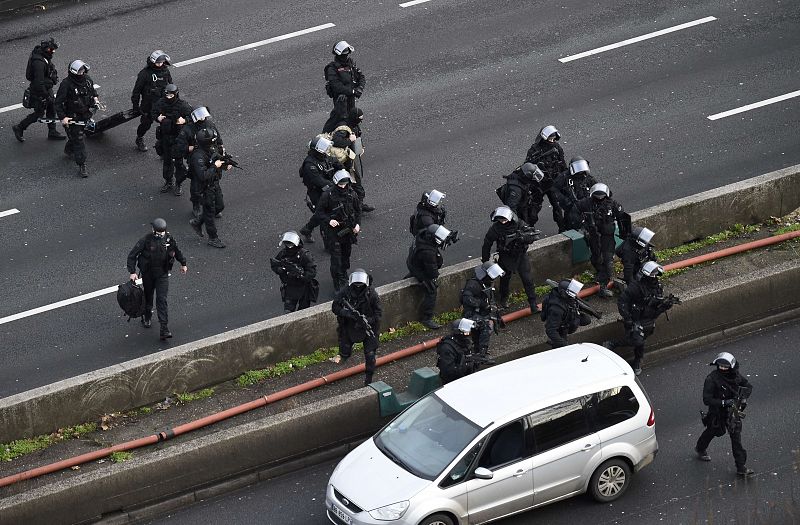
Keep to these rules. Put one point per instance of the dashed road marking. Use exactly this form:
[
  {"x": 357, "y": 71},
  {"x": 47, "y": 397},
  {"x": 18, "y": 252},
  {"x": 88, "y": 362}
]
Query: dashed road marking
[
  {"x": 6, "y": 213},
  {"x": 754, "y": 105},
  {"x": 413, "y": 2}
]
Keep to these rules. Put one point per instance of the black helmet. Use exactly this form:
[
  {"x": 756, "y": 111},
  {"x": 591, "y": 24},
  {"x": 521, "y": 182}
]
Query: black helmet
[
  {"x": 290, "y": 240},
  {"x": 49, "y": 44},
  {"x": 159, "y": 225},
  {"x": 578, "y": 165},
  {"x": 570, "y": 287},
  {"x": 171, "y": 89},
  {"x": 462, "y": 326},
  {"x": 206, "y": 137},
  {"x": 78, "y": 67},
  {"x": 549, "y": 132},
  {"x": 342, "y": 48}
]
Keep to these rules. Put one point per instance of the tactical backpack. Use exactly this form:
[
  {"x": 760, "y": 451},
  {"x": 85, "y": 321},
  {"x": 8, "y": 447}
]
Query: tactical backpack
[
  {"x": 29, "y": 70},
  {"x": 130, "y": 297}
]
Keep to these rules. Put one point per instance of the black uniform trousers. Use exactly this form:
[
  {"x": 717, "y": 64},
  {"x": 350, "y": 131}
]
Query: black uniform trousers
[
  {"x": 340, "y": 248},
  {"x": 42, "y": 107},
  {"x": 76, "y": 145},
  {"x": 146, "y": 120},
  {"x": 295, "y": 297},
  {"x": 370, "y": 352},
  {"x": 716, "y": 429},
  {"x": 158, "y": 284},
  {"x": 636, "y": 339},
  {"x": 602, "y": 258},
  {"x": 171, "y": 167},
  {"x": 212, "y": 204},
  {"x": 428, "y": 305},
  {"x": 516, "y": 263}
]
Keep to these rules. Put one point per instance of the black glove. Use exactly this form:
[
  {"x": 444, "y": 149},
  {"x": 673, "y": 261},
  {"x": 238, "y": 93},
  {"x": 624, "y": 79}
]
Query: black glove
[
  {"x": 727, "y": 402},
  {"x": 358, "y": 92}
]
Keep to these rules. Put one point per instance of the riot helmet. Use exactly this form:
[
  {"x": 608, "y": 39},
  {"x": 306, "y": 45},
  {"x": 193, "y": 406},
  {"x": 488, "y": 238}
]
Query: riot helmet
[
  {"x": 359, "y": 278},
  {"x": 159, "y": 226},
  {"x": 599, "y": 191},
  {"x": 320, "y": 144},
  {"x": 78, "y": 68},
  {"x": 200, "y": 114},
  {"x": 206, "y": 137},
  {"x": 158, "y": 58},
  {"x": 578, "y": 165},
  {"x": 438, "y": 233},
  {"x": 342, "y": 49},
  {"x": 532, "y": 172},
  {"x": 489, "y": 269},
  {"x": 433, "y": 198},
  {"x": 462, "y": 326},
  {"x": 342, "y": 176},
  {"x": 570, "y": 287},
  {"x": 502, "y": 212},
  {"x": 643, "y": 235},
  {"x": 651, "y": 269},
  {"x": 724, "y": 360},
  {"x": 550, "y": 134},
  {"x": 290, "y": 240}
]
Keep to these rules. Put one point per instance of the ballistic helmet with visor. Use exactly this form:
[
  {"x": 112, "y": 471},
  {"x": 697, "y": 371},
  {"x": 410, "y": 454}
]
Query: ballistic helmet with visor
[
  {"x": 578, "y": 165},
  {"x": 171, "y": 89},
  {"x": 600, "y": 191},
  {"x": 489, "y": 269},
  {"x": 342, "y": 48},
  {"x": 342, "y": 176},
  {"x": 724, "y": 359},
  {"x": 439, "y": 233},
  {"x": 550, "y": 131},
  {"x": 159, "y": 225},
  {"x": 643, "y": 236},
  {"x": 78, "y": 67},
  {"x": 320, "y": 144},
  {"x": 532, "y": 171},
  {"x": 503, "y": 212},
  {"x": 652, "y": 269},
  {"x": 158, "y": 57},
  {"x": 571, "y": 287},
  {"x": 200, "y": 114},
  {"x": 359, "y": 276},
  {"x": 434, "y": 197},
  {"x": 290, "y": 239},
  {"x": 463, "y": 326}
]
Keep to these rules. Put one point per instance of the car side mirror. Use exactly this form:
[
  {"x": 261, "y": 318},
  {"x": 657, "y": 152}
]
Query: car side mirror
[{"x": 483, "y": 473}]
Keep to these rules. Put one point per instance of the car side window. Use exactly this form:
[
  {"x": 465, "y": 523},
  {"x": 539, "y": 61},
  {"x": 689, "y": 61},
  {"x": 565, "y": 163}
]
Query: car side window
[
  {"x": 613, "y": 406},
  {"x": 459, "y": 471},
  {"x": 559, "y": 424},
  {"x": 506, "y": 445}
]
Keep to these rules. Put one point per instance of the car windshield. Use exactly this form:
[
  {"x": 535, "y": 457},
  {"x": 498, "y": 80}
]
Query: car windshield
[{"x": 427, "y": 437}]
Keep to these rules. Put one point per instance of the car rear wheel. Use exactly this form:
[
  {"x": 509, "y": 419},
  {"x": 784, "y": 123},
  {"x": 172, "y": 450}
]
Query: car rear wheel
[
  {"x": 610, "y": 480},
  {"x": 437, "y": 519}
]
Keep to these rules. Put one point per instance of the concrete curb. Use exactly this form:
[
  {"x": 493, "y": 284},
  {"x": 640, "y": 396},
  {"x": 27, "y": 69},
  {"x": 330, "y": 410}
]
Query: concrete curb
[{"x": 222, "y": 357}]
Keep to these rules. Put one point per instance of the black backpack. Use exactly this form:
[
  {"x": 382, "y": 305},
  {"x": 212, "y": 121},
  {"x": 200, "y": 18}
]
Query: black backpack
[
  {"x": 130, "y": 297},
  {"x": 29, "y": 69}
]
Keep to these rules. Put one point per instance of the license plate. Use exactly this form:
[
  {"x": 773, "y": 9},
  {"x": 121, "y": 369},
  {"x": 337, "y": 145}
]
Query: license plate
[{"x": 341, "y": 515}]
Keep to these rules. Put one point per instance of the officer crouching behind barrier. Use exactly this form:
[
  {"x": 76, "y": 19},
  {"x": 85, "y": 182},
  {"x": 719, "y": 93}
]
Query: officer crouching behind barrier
[
  {"x": 563, "y": 312},
  {"x": 725, "y": 393},
  {"x": 477, "y": 299},
  {"x": 75, "y": 103},
  {"x": 454, "y": 357},
  {"x": 358, "y": 311},
  {"x": 297, "y": 270},
  {"x": 43, "y": 76}
]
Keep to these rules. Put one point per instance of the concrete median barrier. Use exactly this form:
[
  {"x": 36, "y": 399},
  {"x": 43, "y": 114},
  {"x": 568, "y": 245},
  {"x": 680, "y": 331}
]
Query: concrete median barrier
[{"x": 222, "y": 357}]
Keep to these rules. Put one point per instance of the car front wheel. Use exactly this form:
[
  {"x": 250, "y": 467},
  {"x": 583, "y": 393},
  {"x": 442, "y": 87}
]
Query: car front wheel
[{"x": 437, "y": 519}]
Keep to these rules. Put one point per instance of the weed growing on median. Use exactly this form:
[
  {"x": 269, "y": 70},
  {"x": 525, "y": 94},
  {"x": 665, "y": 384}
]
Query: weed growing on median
[
  {"x": 194, "y": 396},
  {"x": 120, "y": 457},
  {"x": 734, "y": 231},
  {"x": 21, "y": 447}
]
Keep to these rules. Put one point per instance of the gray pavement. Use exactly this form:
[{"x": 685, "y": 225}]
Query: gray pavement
[
  {"x": 675, "y": 489},
  {"x": 455, "y": 92}
]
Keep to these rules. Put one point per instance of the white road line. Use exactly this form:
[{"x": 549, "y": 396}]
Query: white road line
[
  {"x": 6, "y": 213},
  {"x": 59, "y": 304},
  {"x": 10, "y": 108},
  {"x": 754, "y": 105},
  {"x": 413, "y": 2},
  {"x": 253, "y": 45},
  {"x": 636, "y": 39}
]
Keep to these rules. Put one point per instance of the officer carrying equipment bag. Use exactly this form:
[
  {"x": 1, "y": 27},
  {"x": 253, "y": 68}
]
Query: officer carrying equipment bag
[
  {"x": 26, "y": 99},
  {"x": 130, "y": 297}
]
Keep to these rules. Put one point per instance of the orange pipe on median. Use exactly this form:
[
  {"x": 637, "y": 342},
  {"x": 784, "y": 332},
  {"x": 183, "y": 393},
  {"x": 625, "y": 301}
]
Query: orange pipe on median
[{"x": 336, "y": 376}]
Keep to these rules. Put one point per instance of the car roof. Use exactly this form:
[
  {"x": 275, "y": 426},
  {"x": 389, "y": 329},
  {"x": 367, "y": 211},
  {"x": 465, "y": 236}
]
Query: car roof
[{"x": 532, "y": 382}]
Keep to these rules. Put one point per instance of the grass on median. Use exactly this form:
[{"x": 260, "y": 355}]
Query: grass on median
[
  {"x": 194, "y": 396},
  {"x": 20, "y": 447}
]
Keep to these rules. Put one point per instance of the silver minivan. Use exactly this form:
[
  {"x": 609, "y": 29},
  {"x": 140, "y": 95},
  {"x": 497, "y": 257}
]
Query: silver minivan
[{"x": 501, "y": 441}]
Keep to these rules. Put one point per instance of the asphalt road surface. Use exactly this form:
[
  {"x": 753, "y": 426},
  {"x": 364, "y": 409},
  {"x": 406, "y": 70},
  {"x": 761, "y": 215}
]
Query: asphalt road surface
[
  {"x": 456, "y": 90},
  {"x": 675, "y": 489}
]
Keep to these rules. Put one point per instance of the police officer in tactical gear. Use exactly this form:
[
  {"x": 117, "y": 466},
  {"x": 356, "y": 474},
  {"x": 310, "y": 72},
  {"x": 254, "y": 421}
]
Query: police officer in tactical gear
[
  {"x": 297, "y": 270},
  {"x": 43, "y": 76},
  {"x": 317, "y": 174},
  {"x": 171, "y": 113},
  {"x": 725, "y": 393},
  {"x": 634, "y": 251},
  {"x": 430, "y": 210},
  {"x": 423, "y": 262},
  {"x": 208, "y": 173},
  {"x": 512, "y": 237},
  {"x": 150, "y": 86},
  {"x": 570, "y": 187},
  {"x": 348, "y": 149},
  {"x": 640, "y": 304},
  {"x": 358, "y": 311},
  {"x": 522, "y": 192},
  {"x": 546, "y": 153},
  {"x": 453, "y": 351},
  {"x": 600, "y": 215},
  {"x": 477, "y": 299},
  {"x": 561, "y": 314},
  {"x": 344, "y": 83},
  {"x": 155, "y": 254},
  {"x": 338, "y": 213},
  {"x": 76, "y": 101},
  {"x": 185, "y": 143}
]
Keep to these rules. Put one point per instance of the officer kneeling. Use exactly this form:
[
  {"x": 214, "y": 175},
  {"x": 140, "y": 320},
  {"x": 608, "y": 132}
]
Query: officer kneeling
[
  {"x": 297, "y": 270},
  {"x": 455, "y": 360},
  {"x": 561, "y": 313}
]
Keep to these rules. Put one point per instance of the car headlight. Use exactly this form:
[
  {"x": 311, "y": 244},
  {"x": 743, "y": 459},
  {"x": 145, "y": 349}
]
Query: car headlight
[{"x": 391, "y": 512}]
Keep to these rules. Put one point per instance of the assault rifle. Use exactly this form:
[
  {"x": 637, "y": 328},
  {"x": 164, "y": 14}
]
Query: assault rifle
[
  {"x": 475, "y": 360},
  {"x": 494, "y": 320},
  {"x": 582, "y": 305},
  {"x": 227, "y": 160},
  {"x": 736, "y": 410},
  {"x": 525, "y": 235},
  {"x": 338, "y": 214},
  {"x": 662, "y": 304},
  {"x": 542, "y": 155},
  {"x": 292, "y": 269},
  {"x": 360, "y": 318}
]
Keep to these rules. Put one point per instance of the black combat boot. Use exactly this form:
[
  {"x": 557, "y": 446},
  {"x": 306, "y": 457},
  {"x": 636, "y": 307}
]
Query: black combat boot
[
  {"x": 164, "y": 334},
  {"x": 140, "y": 144},
  {"x": 216, "y": 242},
  {"x": 18, "y": 131},
  {"x": 366, "y": 208},
  {"x": 146, "y": 322},
  {"x": 53, "y": 133},
  {"x": 82, "y": 171},
  {"x": 197, "y": 210},
  {"x": 178, "y": 192},
  {"x": 168, "y": 186},
  {"x": 307, "y": 238},
  {"x": 196, "y": 226},
  {"x": 430, "y": 323}
]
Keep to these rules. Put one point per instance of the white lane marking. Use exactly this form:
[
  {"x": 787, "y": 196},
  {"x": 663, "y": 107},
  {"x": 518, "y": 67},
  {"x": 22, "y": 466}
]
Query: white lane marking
[
  {"x": 754, "y": 105},
  {"x": 59, "y": 304},
  {"x": 6, "y": 213},
  {"x": 637, "y": 39},
  {"x": 253, "y": 45},
  {"x": 413, "y": 2},
  {"x": 10, "y": 108}
]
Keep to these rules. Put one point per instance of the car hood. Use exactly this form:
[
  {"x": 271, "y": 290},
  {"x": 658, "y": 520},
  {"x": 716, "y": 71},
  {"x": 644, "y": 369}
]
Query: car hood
[{"x": 371, "y": 480}]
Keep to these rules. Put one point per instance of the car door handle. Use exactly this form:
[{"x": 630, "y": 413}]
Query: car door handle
[
  {"x": 587, "y": 446},
  {"x": 519, "y": 473}
]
